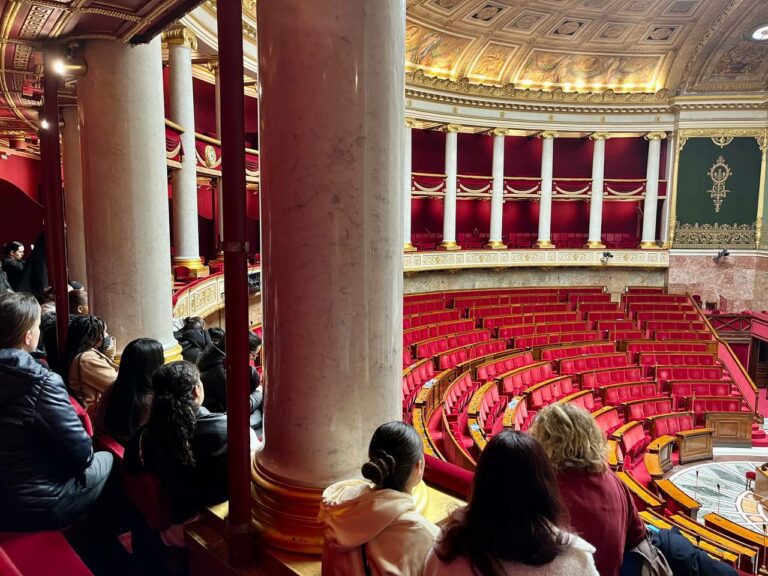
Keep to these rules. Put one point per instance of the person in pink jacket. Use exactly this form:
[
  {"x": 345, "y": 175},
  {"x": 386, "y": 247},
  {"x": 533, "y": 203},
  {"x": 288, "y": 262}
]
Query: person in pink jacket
[
  {"x": 372, "y": 527},
  {"x": 512, "y": 524}
]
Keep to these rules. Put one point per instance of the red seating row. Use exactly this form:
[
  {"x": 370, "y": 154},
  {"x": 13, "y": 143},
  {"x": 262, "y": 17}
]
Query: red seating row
[
  {"x": 682, "y": 335},
  {"x": 434, "y": 346},
  {"x": 597, "y": 306},
  {"x": 459, "y": 394},
  {"x": 521, "y": 418},
  {"x": 632, "y": 439},
  {"x": 411, "y": 298},
  {"x": 594, "y": 362},
  {"x": 451, "y": 358},
  {"x": 517, "y": 380},
  {"x": 615, "y": 394},
  {"x": 614, "y": 325},
  {"x": 620, "y": 334},
  {"x": 655, "y": 298},
  {"x": 490, "y": 370},
  {"x": 666, "y": 373},
  {"x": 545, "y": 393},
  {"x": 556, "y": 353},
  {"x": 414, "y": 378},
  {"x": 583, "y": 399},
  {"x": 667, "y": 346},
  {"x": 413, "y": 335},
  {"x": 607, "y": 418},
  {"x": 497, "y": 300},
  {"x": 423, "y": 306},
  {"x": 670, "y": 424},
  {"x": 606, "y": 315},
  {"x": 635, "y": 307},
  {"x": 674, "y": 325},
  {"x": 645, "y": 290},
  {"x": 490, "y": 408},
  {"x": 676, "y": 359},
  {"x": 430, "y": 318},
  {"x": 582, "y": 298},
  {"x": 541, "y": 318},
  {"x": 680, "y": 390},
  {"x": 598, "y": 378},
  {"x": 700, "y": 405},
  {"x": 642, "y": 409},
  {"x": 517, "y": 309},
  {"x": 555, "y": 338},
  {"x": 513, "y": 331},
  {"x": 671, "y": 316},
  {"x": 407, "y": 357}
]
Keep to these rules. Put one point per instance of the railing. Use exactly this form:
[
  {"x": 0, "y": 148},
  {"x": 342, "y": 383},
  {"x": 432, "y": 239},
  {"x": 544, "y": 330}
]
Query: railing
[
  {"x": 730, "y": 322},
  {"x": 202, "y": 297}
]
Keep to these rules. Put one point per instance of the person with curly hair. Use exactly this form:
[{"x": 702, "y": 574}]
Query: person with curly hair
[
  {"x": 600, "y": 506},
  {"x": 373, "y": 527},
  {"x": 89, "y": 367}
]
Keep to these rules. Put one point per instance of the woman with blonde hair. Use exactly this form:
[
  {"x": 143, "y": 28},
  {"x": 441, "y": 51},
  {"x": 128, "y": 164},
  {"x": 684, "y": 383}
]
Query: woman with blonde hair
[{"x": 600, "y": 506}]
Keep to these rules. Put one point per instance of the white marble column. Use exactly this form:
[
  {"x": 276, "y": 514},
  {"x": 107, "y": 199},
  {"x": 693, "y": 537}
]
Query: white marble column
[
  {"x": 495, "y": 241},
  {"x": 181, "y": 41},
  {"x": 650, "y": 205},
  {"x": 125, "y": 191},
  {"x": 594, "y": 239},
  {"x": 73, "y": 194},
  {"x": 545, "y": 204},
  {"x": 449, "y": 202},
  {"x": 668, "y": 176},
  {"x": 407, "y": 167},
  {"x": 332, "y": 353}
]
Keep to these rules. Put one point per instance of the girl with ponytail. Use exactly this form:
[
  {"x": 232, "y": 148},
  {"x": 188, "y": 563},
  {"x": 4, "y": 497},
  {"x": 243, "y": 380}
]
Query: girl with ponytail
[{"x": 372, "y": 527}]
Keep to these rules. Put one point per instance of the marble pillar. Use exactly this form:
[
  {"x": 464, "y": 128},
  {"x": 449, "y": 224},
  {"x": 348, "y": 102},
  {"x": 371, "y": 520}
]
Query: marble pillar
[
  {"x": 668, "y": 176},
  {"x": 545, "y": 203},
  {"x": 449, "y": 202},
  {"x": 408, "y": 164},
  {"x": 181, "y": 41},
  {"x": 594, "y": 239},
  {"x": 125, "y": 191},
  {"x": 495, "y": 241},
  {"x": 73, "y": 194},
  {"x": 332, "y": 294},
  {"x": 214, "y": 66},
  {"x": 648, "y": 239}
]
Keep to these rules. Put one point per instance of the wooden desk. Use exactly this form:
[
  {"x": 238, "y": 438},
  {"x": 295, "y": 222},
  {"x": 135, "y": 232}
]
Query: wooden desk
[
  {"x": 737, "y": 532},
  {"x": 663, "y": 446},
  {"x": 644, "y": 498},
  {"x": 731, "y": 428},
  {"x": 748, "y": 554},
  {"x": 761, "y": 482},
  {"x": 612, "y": 453},
  {"x": 684, "y": 502},
  {"x": 694, "y": 445}
]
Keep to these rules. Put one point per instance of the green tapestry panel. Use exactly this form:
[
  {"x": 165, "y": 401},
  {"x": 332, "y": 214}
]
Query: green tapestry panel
[{"x": 718, "y": 184}]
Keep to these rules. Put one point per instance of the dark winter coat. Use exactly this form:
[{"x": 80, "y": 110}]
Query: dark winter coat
[{"x": 193, "y": 342}]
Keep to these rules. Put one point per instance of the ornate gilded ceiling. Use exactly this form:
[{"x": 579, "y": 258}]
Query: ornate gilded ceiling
[{"x": 685, "y": 46}]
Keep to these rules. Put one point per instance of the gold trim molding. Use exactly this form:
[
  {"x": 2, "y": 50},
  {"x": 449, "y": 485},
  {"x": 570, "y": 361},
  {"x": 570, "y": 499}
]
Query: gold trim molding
[
  {"x": 722, "y": 135},
  {"x": 715, "y": 235}
]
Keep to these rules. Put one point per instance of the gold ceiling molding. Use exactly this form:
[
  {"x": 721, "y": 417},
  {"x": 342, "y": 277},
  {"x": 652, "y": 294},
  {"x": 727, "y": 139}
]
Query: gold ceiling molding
[
  {"x": 715, "y": 235},
  {"x": 721, "y": 135}
]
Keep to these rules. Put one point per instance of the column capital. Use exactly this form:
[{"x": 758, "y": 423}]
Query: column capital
[
  {"x": 547, "y": 135},
  {"x": 655, "y": 136},
  {"x": 180, "y": 35},
  {"x": 410, "y": 123},
  {"x": 599, "y": 136},
  {"x": 451, "y": 128},
  {"x": 213, "y": 65},
  {"x": 499, "y": 132}
]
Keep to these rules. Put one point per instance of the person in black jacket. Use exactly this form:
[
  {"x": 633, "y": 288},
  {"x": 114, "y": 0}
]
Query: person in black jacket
[
  {"x": 214, "y": 377},
  {"x": 183, "y": 443},
  {"x": 193, "y": 338},
  {"x": 13, "y": 265},
  {"x": 49, "y": 475}
]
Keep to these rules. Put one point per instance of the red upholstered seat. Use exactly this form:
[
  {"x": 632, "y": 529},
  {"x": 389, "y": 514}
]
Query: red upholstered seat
[
  {"x": 39, "y": 554},
  {"x": 149, "y": 497}
]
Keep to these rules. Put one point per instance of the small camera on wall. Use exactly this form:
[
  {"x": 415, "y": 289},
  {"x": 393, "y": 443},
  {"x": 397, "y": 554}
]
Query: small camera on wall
[
  {"x": 606, "y": 257},
  {"x": 722, "y": 255}
]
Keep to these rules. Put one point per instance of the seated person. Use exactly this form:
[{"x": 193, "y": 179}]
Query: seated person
[
  {"x": 49, "y": 475},
  {"x": 13, "y": 264},
  {"x": 494, "y": 534},
  {"x": 78, "y": 306},
  {"x": 124, "y": 408},
  {"x": 89, "y": 367},
  {"x": 193, "y": 338},
  {"x": 182, "y": 443},
  {"x": 213, "y": 374},
  {"x": 78, "y": 302},
  {"x": 373, "y": 527}
]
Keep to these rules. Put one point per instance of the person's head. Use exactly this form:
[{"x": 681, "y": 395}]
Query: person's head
[
  {"x": 254, "y": 346},
  {"x": 84, "y": 333},
  {"x": 513, "y": 510},
  {"x": 78, "y": 302},
  {"x": 571, "y": 438},
  {"x": 19, "y": 321},
  {"x": 132, "y": 391},
  {"x": 218, "y": 337},
  {"x": 178, "y": 393},
  {"x": 396, "y": 457},
  {"x": 15, "y": 250},
  {"x": 193, "y": 323}
]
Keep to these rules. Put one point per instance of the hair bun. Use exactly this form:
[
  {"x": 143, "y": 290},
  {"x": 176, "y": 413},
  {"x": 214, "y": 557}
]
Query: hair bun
[{"x": 379, "y": 468}]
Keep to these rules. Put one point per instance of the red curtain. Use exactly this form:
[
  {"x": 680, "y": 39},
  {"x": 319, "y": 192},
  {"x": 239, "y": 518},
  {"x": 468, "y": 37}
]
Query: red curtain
[
  {"x": 473, "y": 215},
  {"x": 572, "y": 158},
  {"x": 428, "y": 151},
  {"x": 569, "y": 217},
  {"x": 522, "y": 156},
  {"x": 475, "y": 154},
  {"x": 626, "y": 158},
  {"x": 426, "y": 215}
]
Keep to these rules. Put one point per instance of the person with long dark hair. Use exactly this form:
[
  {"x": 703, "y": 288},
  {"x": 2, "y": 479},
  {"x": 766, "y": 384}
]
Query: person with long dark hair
[
  {"x": 373, "y": 527},
  {"x": 49, "y": 475},
  {"x": 89, "y": 367},
  {"x": 182, "y": 443},
  {"x": 124, "y": 408},
  {"x": 599, "y": 505},
  {"x": 513, "y": 522}
]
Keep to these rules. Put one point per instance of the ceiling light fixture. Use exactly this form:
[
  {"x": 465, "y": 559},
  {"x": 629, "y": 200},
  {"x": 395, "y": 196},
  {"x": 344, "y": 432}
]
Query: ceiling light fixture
[
  {"x": 44, "y": 124},
  {"x": 761, "y": 34}
]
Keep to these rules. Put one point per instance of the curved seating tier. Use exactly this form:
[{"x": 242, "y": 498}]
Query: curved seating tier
[
  {"x": 615, "y": 394},
  {"x": 645, "y": 408},
  {"x": 576, "y": 349},
  {"x": 572, "y": 365},
  {"x": 598, "y": 378}
]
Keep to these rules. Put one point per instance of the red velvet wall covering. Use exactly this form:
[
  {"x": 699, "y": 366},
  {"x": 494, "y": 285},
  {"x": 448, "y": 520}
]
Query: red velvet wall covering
[
  {"x": 24, "y": 173},
  {"x": 520, "y": 217},
  {"x": 427, "y": 215},
  {"x": 21, "y": 218},
  {"x": 522, "y": 156},
  {"x": 475, "y": 154},
  {"x": 573, "y": 158},
  {"x": 428, "y": 151},
  {"x": 626, "y": 157}
]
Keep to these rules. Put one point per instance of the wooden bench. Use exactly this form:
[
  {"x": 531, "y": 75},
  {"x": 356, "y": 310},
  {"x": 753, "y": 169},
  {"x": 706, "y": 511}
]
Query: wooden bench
[
  {"x": 677, "y": 496},
  {"x": 737, "y": 532},
  {"x": 748, "y": 554},
  {"x": 643, "y": 497}
]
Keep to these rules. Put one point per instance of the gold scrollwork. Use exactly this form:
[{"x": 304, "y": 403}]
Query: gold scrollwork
[
  {"x": 714, "y": 235},
  {"x": 210, "y": 156},
  {"x": 722, "y": 141},
  {"x": 719, "y": 173}
]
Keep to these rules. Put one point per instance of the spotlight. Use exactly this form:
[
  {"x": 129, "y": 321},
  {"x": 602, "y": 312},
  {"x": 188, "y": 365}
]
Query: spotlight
[
  {"x": 722, "y": 255},
  {"x": 606, "y": 257},
  {"x": 44, "y": 124}
]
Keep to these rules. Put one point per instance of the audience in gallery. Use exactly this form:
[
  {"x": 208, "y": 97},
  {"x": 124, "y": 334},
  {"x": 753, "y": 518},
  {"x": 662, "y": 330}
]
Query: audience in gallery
[
  {"x": 182, "y": 443},
  {"x": 88, "y": 362},
  {"x": 125, "y": 406},
  {"x": 499, "y": 533},
  {"x": 373, "y": 527},
  {"x": 599, "y": 505},
  {"x": 193, "y": 338},
  {"x": 49, "y": 474},
  {"x": 78, "y": 306},
  {"x": 13, "y": 263},
  {"x": 213, "y": 373}
]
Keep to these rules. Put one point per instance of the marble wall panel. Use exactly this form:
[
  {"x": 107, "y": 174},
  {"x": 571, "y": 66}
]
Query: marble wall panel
[{"x": 733, "y": 278}]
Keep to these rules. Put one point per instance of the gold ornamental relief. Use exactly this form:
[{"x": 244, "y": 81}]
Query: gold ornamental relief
[
  {"x": 210, "y": 156},
  {"x": 719, "y": 173},
  {"x": 722, "y": 141}
]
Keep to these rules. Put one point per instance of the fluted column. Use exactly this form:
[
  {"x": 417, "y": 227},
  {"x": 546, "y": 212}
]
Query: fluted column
[
  {"x": 497, "y": 191},
  {"x": 545, "y": 203},
  {"x": 449, "y": 204},
  {"x": 181, "y": 41},
  {"x": 650, "y": 205},
  {"x": 408, "y": 165},
  {"x": 125, "y": 192},
  {"x": 334, "y": 375},
  {"x": 73, "y": 194},
  {"x": 594, "y": 239}
]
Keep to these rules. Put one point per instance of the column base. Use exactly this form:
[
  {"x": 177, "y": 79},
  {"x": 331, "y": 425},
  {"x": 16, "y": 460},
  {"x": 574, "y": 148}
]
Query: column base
[
  {"x": 594, "y": 244},
  {"x": 545, "y": 244},
  {"x": 195, "y": 266},
  {"x": 451, "y": 245},
  {"x": 496, "y": 245},
  {"x": 285, "y": 515},
  {"x": 649, "y": 246},
  {"x": 408, "y": 247},
  {"x": 172, "y": 354}
]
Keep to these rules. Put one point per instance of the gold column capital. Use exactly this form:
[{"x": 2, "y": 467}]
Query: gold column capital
[
  {"x": 451, "y": 128},
  {"x": 655, "y": 136},
  {"x": 547, "y": 135},
  {"x": 180, "y": 35},
  {"x": 410, "y": 123},
  {"x": 213, "y": 65},
  {"x": 599, "y": 136},
  {"x": 499, "y": 132}
]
